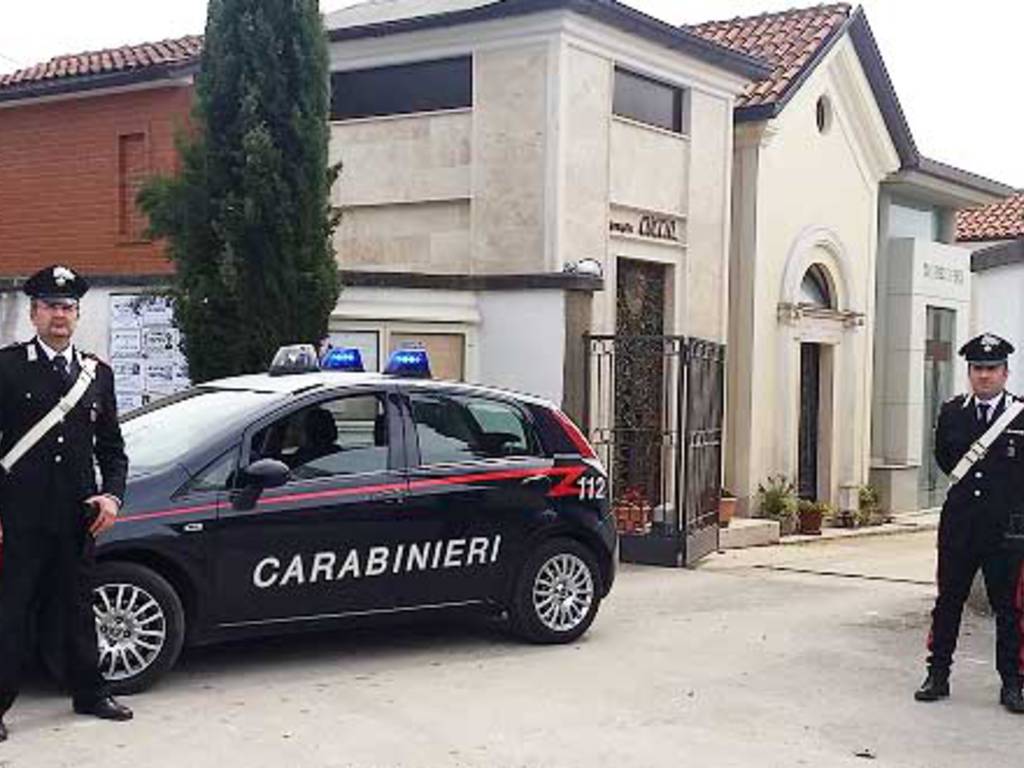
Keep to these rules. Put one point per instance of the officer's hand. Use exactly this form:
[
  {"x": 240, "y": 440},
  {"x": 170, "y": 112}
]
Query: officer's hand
[{"x": 106, "y": 514}]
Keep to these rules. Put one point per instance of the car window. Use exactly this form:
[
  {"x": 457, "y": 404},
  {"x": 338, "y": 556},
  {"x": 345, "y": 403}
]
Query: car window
[
  {"x": 216, "y": 476},
  {"x": 162, "y": 434},
  {"x": 454, "y": 428},
  {"x": 345, "y": 436}
]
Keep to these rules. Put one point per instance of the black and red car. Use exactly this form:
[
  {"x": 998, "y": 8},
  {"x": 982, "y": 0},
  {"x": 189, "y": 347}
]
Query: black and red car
[{"x": 268, "y": 503}]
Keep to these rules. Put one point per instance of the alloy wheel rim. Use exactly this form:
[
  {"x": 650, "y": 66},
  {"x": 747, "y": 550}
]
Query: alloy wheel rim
[
  {"x": 131, "y": 628},
  {"x": 563, "y": 592}
]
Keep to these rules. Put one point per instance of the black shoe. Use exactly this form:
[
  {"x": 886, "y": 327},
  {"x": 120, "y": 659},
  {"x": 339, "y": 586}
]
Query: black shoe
[
  {"x": 1012, "y": 698},
  {"x": 935, "y": 687},
  {"x": 105, "y": 708},
  {"x": 3, "y": 731}
]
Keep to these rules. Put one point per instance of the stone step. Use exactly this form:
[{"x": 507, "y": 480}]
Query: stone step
[{"x": 748, "y": 532}]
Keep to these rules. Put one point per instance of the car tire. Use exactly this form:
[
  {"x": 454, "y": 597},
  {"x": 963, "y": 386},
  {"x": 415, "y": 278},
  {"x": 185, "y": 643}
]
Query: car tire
[
  {"x": 557, "y": 593},
  {"x": 140, "y": 625}
]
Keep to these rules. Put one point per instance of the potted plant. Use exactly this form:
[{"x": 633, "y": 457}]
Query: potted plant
[
  {"x": 726, "y": 508},
  {"x": 870, "y": 510},
  {"x": 811, "y": 514},
  {"x": 777, "y": 500}
]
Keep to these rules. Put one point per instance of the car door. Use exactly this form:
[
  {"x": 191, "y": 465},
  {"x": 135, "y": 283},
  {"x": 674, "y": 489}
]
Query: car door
[
  {"x": 315, "y": 547},
  {"x": 477, "y": 467}
]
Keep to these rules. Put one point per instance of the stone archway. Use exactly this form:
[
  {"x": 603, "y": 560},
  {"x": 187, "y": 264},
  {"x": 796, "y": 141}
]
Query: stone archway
[
  {"x": 821, "y": 246},
  {"x": 817, "y": 366}
]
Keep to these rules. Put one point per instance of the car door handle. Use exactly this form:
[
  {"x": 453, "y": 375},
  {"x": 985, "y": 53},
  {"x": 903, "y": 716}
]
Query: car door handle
[
  {"x": 388, "y": 497},
  {"x": 534, "y": 481}
]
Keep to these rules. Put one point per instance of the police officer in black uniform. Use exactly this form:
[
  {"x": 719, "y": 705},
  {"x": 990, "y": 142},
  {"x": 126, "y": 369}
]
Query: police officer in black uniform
[
  {"x": 974, "y": 521},
  {"x": 50, "y": 507}
]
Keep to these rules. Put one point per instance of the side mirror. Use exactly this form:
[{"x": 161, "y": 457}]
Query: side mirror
[{"x": 267, "y": 473}]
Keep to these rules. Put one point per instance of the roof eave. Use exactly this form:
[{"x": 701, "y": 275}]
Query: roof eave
[
  {"x": 881, "y": 85},
  {"x": 1002, "y": 255},
  {"x": 83, "y": 83},
  {"x": 607, "y": 11},
  {"x": 993, "y": 191}
]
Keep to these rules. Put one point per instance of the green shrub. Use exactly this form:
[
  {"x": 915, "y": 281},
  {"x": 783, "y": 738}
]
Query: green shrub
[
  {"x": 777, "y": 500},
  {"x": 870, "y": 510}
]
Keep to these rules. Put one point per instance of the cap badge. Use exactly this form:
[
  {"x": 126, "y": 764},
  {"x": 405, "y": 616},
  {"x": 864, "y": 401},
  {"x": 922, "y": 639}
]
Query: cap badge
[
  {"x": 62, "y": 275},
  {"x": 989, "y": 342}
]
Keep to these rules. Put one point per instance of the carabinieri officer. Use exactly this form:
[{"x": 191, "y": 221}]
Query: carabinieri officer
[
  {"x": 986, "y": 487},
  {"x": 50, "y": 508}
]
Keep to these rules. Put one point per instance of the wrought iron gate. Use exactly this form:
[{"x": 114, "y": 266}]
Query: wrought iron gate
[{"x": 653, "y": 408}]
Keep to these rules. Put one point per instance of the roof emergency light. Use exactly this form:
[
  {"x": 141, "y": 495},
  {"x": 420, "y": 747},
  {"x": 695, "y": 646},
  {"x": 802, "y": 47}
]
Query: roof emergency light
[
  {"x": 342, "y": 359},
  {"x": 294, "y": 358},
  {"x": 410, "y": 363}
]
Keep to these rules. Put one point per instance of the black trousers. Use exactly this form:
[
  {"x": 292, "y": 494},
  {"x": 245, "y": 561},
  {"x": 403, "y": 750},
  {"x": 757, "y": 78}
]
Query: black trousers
[
  {"x": 1004, "y": 583},
  {"x": 55, "y": 570}
]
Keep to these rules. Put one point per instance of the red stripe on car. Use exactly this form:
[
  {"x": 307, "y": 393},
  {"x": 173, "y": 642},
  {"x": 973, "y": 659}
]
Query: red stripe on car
[{"x": 568, "y": 477}]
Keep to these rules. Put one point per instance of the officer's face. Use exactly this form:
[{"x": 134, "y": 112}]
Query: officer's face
[
  {"x": 987, "y": 381},
  {"x": 55, "y": 321}
]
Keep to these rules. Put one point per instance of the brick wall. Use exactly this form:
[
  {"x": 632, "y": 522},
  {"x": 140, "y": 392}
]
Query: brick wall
[{"x": 69, "y": 170}]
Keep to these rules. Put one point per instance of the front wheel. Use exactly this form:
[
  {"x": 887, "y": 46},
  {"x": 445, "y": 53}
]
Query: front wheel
[
  {"x": 557, "y": 593},
  {"x": 140, "y": 624}
]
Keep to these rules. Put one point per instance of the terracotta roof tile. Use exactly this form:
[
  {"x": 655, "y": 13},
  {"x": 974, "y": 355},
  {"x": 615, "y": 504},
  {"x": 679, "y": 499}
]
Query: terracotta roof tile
[
  {"x": 788, "y": 41},
  {"x": 126, "y": 58},
  {"x": 1000, "y": 221}
]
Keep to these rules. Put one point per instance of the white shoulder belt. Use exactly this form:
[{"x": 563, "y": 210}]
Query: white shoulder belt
[
  {"x": 56, "y": 414},
  {"x": 980, "y": 446}
]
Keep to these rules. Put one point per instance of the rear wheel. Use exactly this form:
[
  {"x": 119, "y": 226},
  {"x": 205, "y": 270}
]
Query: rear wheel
[
  {"x": 557, "y": 593},
  {"x": 140, "y": 624}
]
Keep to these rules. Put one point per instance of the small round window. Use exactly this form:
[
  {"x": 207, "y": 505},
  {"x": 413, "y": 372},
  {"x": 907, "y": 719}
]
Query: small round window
[{"x": 823, "y": 114}]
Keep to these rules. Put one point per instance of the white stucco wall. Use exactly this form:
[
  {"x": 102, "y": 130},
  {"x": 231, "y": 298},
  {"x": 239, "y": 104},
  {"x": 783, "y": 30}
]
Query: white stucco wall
[
  {"x": 998, "y": 308},
  {"x": 522, "y": 341},
  {"x": 513, "y": 338},
  {"x": 805, "y": 197}
]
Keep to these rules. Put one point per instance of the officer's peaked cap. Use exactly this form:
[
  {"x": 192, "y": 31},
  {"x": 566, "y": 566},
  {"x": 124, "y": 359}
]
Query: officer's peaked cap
[
  {"x": 56, "y": 282},
  {"x": 987, "y": 349}
]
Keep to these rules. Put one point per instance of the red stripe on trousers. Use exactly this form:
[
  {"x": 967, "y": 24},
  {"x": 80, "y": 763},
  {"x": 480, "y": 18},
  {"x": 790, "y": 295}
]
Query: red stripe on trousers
[
  {"x": 938, "y": 593},
  {"x": 1019, "y": 603}
]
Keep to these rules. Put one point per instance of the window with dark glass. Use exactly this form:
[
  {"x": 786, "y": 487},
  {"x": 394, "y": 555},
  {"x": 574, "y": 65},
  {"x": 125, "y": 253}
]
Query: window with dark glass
[
  {"x": 455, "y": 428},
  {"x": 425, "y": 86},
  {"x": 347, "y": 436},
  {"x": 648, "y": 101},
  {"x": 814, "y": 288}
]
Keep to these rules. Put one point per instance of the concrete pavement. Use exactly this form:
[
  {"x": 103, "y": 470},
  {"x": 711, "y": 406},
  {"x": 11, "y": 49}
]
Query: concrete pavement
[{"x": 778, "y": 656}]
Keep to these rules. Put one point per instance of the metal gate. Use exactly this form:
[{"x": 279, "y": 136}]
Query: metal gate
[{"x": 653, "y": 408}]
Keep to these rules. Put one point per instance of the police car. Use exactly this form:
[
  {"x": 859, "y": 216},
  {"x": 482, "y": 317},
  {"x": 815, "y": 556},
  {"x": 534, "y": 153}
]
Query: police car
[{"x": 314, "y": 494}]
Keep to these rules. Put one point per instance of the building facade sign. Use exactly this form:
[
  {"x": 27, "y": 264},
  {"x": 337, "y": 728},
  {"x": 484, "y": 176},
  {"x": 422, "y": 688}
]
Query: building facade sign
[
  {"x": 943, "y": 273},
  {"x": 650, "y": 226}
]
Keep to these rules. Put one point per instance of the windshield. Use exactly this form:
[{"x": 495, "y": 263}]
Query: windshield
[{"x": 162, "y": 434}]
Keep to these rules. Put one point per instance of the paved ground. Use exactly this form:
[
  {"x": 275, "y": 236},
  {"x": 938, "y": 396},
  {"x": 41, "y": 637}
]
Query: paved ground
[{"x": 783, "y": 656}]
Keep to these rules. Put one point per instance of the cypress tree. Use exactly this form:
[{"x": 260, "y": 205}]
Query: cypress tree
[{"x": 247, "y": 218}]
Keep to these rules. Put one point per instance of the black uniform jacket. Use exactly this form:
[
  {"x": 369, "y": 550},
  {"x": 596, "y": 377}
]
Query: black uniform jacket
[
  {"x": 978, "y": 508},
  {"x": 44, "y": 490}
]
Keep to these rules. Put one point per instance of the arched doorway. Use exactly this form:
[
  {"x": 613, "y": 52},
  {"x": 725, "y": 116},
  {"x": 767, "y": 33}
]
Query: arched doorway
[
  {"x": 820, "y": 371},
  {"x": 816, "y": 294}
]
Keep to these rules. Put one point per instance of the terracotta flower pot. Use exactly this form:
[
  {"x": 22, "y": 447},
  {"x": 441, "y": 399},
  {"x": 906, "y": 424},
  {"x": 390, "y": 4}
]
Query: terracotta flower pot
[
  {"x": 726, "y": 510},
  {"x": 810, "y": 521}
]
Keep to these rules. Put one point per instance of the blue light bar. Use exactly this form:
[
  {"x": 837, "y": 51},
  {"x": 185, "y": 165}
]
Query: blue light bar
[
  {"x": 295, "y": 358},
  {"x": 410, "y": 363},
  {"x": 342, "y": 359}
]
